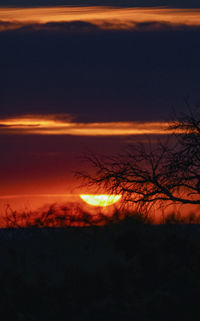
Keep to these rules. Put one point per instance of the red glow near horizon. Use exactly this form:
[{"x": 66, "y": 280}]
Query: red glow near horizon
[{"x": 66, "y": 210}]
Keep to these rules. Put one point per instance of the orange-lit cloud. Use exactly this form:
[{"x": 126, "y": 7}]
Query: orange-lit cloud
[
  {"x": 104, "y": 17},
  {"x": 55, "y": 125}
]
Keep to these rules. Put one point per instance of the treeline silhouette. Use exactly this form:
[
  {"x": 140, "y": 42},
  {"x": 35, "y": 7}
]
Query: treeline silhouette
[
  {"x": 124, "y": 271},
  {"x": 73, "y": 215}
]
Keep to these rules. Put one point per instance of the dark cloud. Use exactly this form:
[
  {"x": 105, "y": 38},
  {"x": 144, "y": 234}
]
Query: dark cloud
[
  {"x": 62, "y": 27},
  {"x": 99, "y": 75},
  {"x": 6, "y": 25},
  {"x": 120, "y": 3},
  {"x": 77, "y": 27},
  {"x": 82, "y": 26}
]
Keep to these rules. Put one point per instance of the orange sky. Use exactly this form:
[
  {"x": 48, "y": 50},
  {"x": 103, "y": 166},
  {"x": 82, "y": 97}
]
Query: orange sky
[
  {"x": 32, "y": 161},
  {"x": 117, "y": 17},
  {"x": 43, "y": 152}
]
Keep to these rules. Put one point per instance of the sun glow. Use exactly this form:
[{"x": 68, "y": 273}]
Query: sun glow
[{"x": 100, "y": 200}]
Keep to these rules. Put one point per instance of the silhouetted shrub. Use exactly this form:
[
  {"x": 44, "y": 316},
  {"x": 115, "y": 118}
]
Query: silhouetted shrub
[{"x": 61, "y": 216}]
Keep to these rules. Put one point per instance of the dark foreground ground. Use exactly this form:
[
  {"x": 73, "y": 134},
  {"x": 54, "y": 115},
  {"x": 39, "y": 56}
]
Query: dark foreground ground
[{"x": 119, "y": 272}]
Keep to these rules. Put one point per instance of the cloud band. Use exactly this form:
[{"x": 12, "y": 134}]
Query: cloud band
[
  {"x": 56, "y": 125},
  {"x": 102, "y": 17}
]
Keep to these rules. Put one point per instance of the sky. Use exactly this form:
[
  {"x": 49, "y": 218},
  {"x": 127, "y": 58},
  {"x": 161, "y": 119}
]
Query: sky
[
  {"x": 85, "y": 76},
  {"x": 116, "y": 3}
]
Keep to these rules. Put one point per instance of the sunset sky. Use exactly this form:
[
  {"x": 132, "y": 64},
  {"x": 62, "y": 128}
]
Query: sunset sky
[{"x": 88, "y": 76}]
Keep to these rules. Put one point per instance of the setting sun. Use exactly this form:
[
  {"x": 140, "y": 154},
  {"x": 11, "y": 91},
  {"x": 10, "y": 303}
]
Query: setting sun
[{"x": 100, "y": 200}]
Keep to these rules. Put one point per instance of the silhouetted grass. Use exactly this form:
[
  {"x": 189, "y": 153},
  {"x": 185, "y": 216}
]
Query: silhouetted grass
[
  {"x": 122, "y": 271},
  {"x": 126, "y": 269},
  {"x": 70, "y": 214},
  {"x": 66, "y": 215}
]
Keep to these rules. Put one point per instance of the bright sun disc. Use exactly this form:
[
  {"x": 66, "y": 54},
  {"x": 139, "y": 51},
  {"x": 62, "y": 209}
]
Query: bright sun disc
[{"x": 100, "y": 200}]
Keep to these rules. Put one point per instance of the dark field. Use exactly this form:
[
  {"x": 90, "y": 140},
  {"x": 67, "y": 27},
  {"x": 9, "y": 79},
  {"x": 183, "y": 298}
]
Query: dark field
[{"x": 123, "y": 271}]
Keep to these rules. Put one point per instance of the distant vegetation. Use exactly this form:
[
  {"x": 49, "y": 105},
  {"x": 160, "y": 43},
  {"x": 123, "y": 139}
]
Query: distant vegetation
[
  {"x": 118, "y": 272},
  {"x": 71, "y": 215}
]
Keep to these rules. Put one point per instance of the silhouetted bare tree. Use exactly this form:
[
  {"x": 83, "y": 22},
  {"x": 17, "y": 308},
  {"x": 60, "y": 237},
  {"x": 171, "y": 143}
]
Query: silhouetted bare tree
[{"x": 147, "y": 175}]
